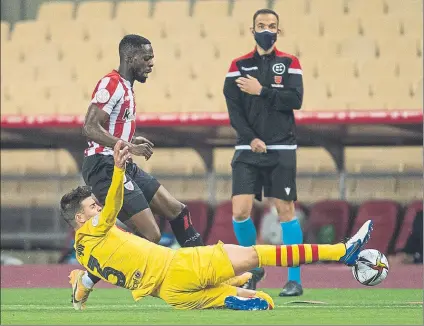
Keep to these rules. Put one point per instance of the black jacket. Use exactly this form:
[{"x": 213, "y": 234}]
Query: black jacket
[{"x": 268, "y": 116}]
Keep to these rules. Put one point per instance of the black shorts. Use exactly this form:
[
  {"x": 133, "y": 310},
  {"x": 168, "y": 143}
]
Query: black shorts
[
  {"x": 139, "y": 186},
  {"x": 273, "y": 172}
]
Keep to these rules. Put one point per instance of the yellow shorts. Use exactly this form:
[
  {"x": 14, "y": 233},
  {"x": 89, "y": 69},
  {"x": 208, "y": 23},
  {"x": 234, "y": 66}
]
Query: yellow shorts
[{"x": 194, "y": 278}]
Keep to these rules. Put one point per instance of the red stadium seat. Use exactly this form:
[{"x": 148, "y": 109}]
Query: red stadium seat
[
  {"x": 384, "y": 214},
  {"x": 328, "y": 212},
  {"x": 199, "y": 217},
  {"x": 407, "y": 223},
  {"x": 222, "y": 227}
]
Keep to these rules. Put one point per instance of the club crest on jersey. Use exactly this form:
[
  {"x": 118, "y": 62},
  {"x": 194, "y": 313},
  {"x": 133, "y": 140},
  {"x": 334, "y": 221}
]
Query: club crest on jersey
[
  {"x": 278, "y": 79},
  {"x": 95, "y": 220},
  {"x": 102, "y": 96},
  {"x": 128, "y": 115},
  {"x": 279, "y": 68}
]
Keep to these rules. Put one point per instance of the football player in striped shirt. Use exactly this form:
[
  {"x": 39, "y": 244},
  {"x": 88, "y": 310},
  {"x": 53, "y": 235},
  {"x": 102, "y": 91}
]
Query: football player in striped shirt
[{"x": 110, "y": 118}]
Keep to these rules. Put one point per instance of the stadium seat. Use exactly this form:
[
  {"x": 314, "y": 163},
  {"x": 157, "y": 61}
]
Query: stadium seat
[
  {"x": 222, "y": 160},
  {"x": 375, "y": 27},
  {"x": 44, "y": 53},
  {"x": 409, "y": 189},
  {"x": 371, "y": 188},
  {"x": 68, "y": 184},
  {"x": 92, "y": 11},
  {"x": 407, "y": 223},
  {"x": 32, "y": 31},
  {"x": 225, "y": 32},
  {"x": 40, "y": 192},
  {"x": 359, "y": 48},
  {"x": 334, "y": 70},
  {"x": 328, "y": 212},
  {"x": 360, "y": 8},
  {"x": 66, "y": 163},
  {"x": 68, "y": 31},
  {"x": 304, "y": 190},
  {"x": 412, "y": 48},
  {"x": 41, "y": 162},
  {"x": 304, "y": 28},
  {"x": 132, "y": 11},
  {"x": 289, "y": 8},
  {"x": 312, "y": 160},
  {"x": 211, "y": 11},
  {"x": 412, "y": 26},
  {"x": 371, "y": 70},
  {"x": 44, "y": 220},
  {"x": 14, "y": 219},
  {"x": 56, "y": 11},
  {"x": 388, "y": 159},
  {"x": 223, "y": 189},
  {"x": 171, "y": 10},
  {"x": 185, "y": 161},
  {"x": 326, "y": 8},
  {"x": 243, "y": 10},
  {"x": 108, "y": 33},
  {"x": 5, "y": 32},
  {"x": 324, "y": 188},
  {"x": 339, "y": 27},
  {"x": 407, "y": 9},
  {"x": 222, "y": 225},
  {"x": 384, "y": 214}
]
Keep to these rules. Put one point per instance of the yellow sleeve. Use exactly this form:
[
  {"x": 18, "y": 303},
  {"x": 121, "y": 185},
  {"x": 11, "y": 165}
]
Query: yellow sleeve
[{"x": 113, "y": 203}]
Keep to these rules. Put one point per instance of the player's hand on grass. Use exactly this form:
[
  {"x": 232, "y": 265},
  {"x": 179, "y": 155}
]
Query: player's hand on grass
[
  {"x": 145, "y": 150},
  {"x": 258, "y": 146},
  {"x": 249, "y": 85},
  {"x": 120, "y": 155},
  {"x": 141, "y": 140}
]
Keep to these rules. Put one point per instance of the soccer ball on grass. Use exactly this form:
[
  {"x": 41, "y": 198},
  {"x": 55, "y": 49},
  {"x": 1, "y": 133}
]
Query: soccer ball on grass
[{"x": 371, "y": 267}]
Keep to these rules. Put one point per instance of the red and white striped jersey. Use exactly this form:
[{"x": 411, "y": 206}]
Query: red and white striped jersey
[{"x": 114, "y": 95}]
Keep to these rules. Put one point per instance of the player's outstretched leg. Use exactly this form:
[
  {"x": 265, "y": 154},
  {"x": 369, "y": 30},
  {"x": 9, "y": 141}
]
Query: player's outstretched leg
[
  {"x": 356, "y": 242},
  {"x": 80, "y": 292},
  {"x": 246, "y": 258}
]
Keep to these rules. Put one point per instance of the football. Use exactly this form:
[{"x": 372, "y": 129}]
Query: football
[{"x": 371, "y": 267}]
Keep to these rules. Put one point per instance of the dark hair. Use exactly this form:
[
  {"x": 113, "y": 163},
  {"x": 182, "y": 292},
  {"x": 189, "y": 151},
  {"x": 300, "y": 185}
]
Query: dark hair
[
  {"x": 264, "y": 12},
  {"x": 131, "y": 43},
  {"x": 70, "y": 204}
]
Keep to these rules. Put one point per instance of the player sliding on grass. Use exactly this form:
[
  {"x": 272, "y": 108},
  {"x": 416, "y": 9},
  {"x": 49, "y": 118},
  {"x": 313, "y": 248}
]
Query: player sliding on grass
[{"x": 187, "y": 278}]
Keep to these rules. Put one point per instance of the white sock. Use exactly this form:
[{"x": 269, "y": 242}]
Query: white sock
[{"x": 86, "y": 281}]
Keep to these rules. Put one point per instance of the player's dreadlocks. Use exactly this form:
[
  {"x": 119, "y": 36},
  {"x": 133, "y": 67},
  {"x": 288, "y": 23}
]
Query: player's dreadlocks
[
  {"x": 131, "y": 43},
  {"x": 70, "y": 204}
]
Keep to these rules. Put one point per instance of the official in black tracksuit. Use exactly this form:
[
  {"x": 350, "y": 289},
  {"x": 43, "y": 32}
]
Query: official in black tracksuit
[{"x": 262, "y": 89}]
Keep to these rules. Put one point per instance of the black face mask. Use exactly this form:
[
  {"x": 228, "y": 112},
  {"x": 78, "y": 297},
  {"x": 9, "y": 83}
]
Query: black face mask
[{"x": 265, "y": 39}]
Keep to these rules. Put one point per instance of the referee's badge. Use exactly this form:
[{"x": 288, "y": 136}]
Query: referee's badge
[{"x": 278, "y": 79}]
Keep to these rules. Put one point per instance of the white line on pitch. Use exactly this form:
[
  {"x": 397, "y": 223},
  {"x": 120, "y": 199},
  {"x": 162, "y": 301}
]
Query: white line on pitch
[{"x": 6, "y": 307}]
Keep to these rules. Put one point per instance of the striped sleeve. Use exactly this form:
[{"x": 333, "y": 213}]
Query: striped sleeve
[
  {"x": 295, "y": 67},
  {"x": 233, "y": 71},
  {"x": 107, "y": 94}
]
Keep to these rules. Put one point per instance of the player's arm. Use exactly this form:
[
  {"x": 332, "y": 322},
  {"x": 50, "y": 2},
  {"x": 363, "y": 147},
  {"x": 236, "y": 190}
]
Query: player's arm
[
  {"x": 107, "y": 95},
  {"x": 94, "y": 122},
  {"x": 234, "y": 105},
  {"x": 115, "y": 194},
  {"x": 291, "y": 96}
]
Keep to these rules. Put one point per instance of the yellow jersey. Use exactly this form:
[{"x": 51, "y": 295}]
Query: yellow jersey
[{"x": 117, "y": 256}]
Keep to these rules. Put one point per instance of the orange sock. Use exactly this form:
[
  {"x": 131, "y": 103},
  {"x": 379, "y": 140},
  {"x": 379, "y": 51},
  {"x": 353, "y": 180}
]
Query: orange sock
[{"x": 295, "y": 255}]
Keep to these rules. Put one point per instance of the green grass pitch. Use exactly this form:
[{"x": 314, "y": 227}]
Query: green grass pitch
[{"x": 116, "y": 306}]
